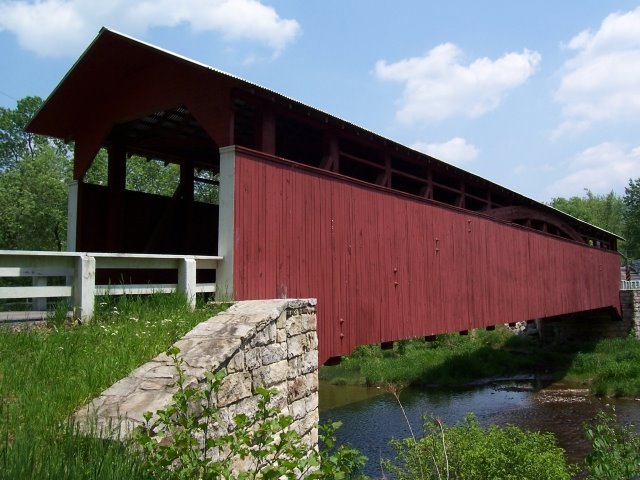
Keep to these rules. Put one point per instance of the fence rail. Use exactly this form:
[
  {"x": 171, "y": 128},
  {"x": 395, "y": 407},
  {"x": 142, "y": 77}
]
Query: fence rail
[
  {"x": 79, "y": 270},
  {"x": 630, "y": 285}
]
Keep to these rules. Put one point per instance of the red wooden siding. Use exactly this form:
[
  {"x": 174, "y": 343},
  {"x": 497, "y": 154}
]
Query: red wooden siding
[{"x": 386, "y": 266}]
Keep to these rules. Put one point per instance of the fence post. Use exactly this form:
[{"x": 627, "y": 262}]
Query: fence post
[
  {"x": 187, "y": 280},
  {"x": 84, "y": 286},
  {"x": 39, "y": 304}
]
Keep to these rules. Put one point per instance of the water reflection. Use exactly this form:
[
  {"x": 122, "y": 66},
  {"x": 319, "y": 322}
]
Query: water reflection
[{"x": 372, "y": 417}]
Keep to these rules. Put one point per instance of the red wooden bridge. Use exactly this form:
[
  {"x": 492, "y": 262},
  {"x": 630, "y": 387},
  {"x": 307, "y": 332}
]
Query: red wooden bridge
[{"x": 393, "y": 243}]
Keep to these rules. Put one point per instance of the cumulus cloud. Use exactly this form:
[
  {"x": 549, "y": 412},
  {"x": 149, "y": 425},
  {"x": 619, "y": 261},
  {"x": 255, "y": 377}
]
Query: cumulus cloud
[
  {"x": 62, "y": 27},
  {"x": 456, "y": 151},
  {"x": 601, "y": 80},
  {"x": 602, "y": 168},
  {"x": 439, "y": 85}
]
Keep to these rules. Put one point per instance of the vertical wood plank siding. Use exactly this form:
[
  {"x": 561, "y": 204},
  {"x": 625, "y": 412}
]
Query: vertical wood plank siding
[{"x": 385, "y": 266}]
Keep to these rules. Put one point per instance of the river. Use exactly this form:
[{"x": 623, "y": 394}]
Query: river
[{"x": 371, "y": 417}]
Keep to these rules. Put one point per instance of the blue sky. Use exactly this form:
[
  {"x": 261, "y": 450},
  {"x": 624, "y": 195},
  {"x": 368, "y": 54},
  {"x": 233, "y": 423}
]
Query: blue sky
[{"x": 542, "y": 97}]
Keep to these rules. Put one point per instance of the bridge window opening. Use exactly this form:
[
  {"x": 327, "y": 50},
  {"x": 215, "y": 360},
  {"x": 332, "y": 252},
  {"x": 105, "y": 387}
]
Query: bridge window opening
[
  {"x": 354, "y": 168},
  {"x": 475, "y": 204},
  {"x": 244, "y": 124},
  {"x": 361, "y": 153},
  {"x": 399, "y": 165},
  {"x": 153, "y": 177},
  {"x": 408, "y": 184},
  {"x": 445, "y": 195},
  {"x": 444, "y": 180},
  {"x": 299, "y": 142},
  {"x": 206, "y": 187},
  {"x": 475, "y": 191}
]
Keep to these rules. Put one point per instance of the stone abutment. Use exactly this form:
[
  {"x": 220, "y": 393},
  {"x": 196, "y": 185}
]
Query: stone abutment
[{"x": 260, "y": 343}]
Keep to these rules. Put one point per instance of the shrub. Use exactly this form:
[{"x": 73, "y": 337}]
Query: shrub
[
  {"x": 467, "y": 451},
  {"x": 187, "y": 440},
  {"x": 615, "y": 449}
]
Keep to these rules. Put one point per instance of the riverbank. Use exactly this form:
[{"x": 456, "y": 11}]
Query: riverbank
[{"x": 607, "y": 367}]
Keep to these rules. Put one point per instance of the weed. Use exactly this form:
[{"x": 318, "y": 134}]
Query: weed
[{"x": 187, "y": 440}]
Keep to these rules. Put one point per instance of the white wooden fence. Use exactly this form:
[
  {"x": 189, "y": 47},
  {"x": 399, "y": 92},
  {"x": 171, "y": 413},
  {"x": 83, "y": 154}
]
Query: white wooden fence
[
  {"x": 630, "y": 285},
  {"x": 79, "y": 269}
]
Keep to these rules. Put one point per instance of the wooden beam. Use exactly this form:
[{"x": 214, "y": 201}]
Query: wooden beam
[{"x": 512, "y": 213}]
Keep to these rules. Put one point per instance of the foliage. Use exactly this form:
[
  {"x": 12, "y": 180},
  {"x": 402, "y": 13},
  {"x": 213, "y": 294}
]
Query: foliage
[
  {"x": 45, "y": 374},
  {"x": 615, "y": 449},
  {"x": 632, "y": 218},
  {"x": 33, "y": 202},
  {"x": 468, "y": 451},
  {"x": 34, "y": 172},
  {"x": 604, "y": 211},
  {"x": 187, "y": 440},
  {"x": 15, "y": 143}
]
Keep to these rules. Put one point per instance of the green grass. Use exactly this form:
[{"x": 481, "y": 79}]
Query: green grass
[
  {"x": 609, "y": 367},
  {"x": 45, "y": 374},
  {"x": 612, "y": 367},
  {"x": 450, "y": 360}
]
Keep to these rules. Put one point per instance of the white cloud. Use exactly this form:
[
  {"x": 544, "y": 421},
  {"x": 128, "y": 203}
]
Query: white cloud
[
  {"x": 601, "y": 81},
  {"x": 62, "y": 27},
  {"x": 438, "y": 85},
  {"x": 456, "y": 151},
  {"x": 601, "y": 168}
]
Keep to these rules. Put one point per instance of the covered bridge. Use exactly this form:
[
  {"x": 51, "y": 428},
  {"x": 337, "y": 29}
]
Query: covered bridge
[{"x": 393, "y": 243}]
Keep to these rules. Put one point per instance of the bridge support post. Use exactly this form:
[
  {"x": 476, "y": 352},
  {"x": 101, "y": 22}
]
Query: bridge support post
[
  {"x": 224, "y": 272},
  {"x": 187, "y": 281},
  {"x": 84, "y": 286}
]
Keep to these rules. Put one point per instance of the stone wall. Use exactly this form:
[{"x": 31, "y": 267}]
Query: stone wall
[
  {"x": 269, "y": 343},
  {"x": 595, "y": 324},
  {"x": 630, "y": 301}
]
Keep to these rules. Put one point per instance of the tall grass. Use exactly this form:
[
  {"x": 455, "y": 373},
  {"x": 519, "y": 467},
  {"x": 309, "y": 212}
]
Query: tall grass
[
  {"x": 612, "y": 367},
  {"x": 45, "y": 374}
]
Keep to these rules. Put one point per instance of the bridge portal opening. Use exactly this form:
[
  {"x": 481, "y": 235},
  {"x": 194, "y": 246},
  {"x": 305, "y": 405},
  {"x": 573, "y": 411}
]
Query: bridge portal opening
[{"x": 152, "y": 188}]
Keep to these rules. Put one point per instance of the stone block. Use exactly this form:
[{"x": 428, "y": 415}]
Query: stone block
[
  {"x": 302, "y": 323},
  {"x": 265, "y": 336},
  {"x": 302, "y": 386},
  {"x": 297, "y": 345},
  {"x": 252, "y": 358},
  {"x": 236, "y": 364},
  {"x": 298, "y": 409},
  {"x": 270, "y": 375},
  {"x": 273, "y": 353},
  {"x": 311, "y": 402},
  {"x": 303, "y": 364},
  {"x": 234, "y": 387}
]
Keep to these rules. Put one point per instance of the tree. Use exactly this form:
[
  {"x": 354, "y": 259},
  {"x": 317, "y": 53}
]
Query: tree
[
  {"x": 33, "y": 202},
  {"x": 34, "y": 173},
  {"x": 632, "y": 217},
  {"x": 604, "y": 211},
  {"x": 15, "y": 143}
]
